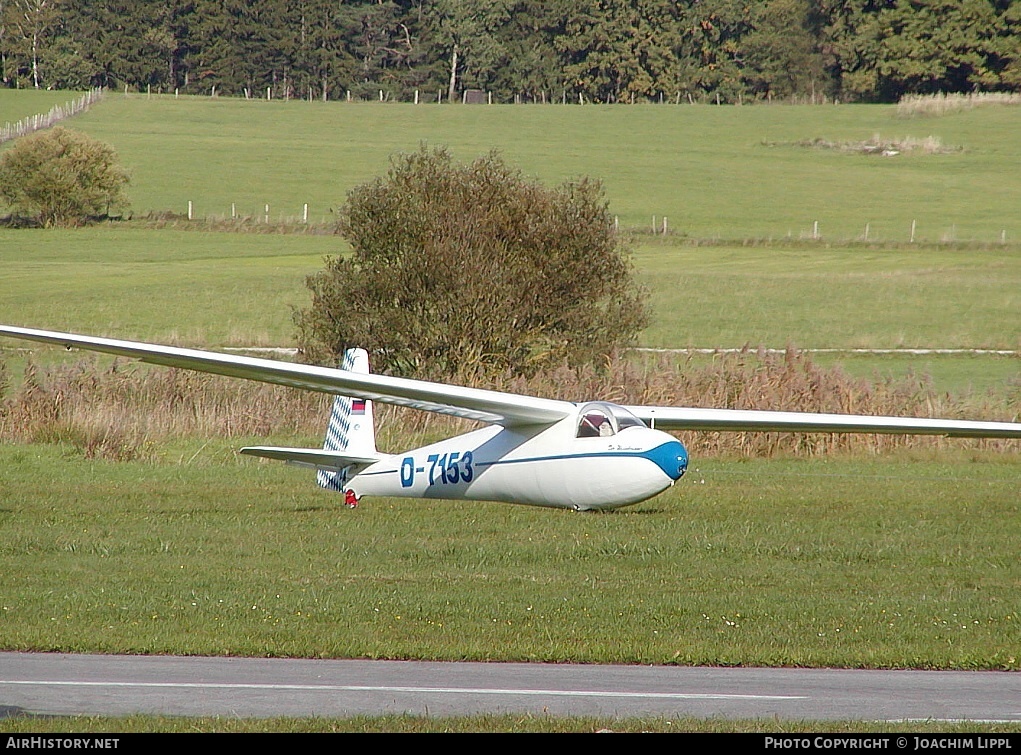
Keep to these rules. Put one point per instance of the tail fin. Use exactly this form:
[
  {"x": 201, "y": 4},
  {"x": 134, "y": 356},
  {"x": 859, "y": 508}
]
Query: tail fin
[{"x": 351, "y": 428}]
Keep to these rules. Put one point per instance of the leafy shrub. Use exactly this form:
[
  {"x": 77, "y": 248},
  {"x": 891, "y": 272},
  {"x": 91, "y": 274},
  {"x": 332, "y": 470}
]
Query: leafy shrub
[
  {"x": 60, "y": 177},
  {"x": 473, "y": 270}
]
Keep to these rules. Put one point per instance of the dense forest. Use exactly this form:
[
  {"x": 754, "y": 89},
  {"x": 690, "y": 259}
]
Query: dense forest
[{"x": 517, "y": 50}]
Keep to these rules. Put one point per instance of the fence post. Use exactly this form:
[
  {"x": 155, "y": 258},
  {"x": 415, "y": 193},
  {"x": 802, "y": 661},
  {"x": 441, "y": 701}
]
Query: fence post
[{"x": 57, "y": 113}]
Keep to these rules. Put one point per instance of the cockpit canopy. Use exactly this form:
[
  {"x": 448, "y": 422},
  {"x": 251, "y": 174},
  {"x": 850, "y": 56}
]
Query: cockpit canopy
[{"x": 602, "y": 420}]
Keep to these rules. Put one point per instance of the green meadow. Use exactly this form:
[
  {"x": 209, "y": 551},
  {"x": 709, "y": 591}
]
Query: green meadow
[
  {"x": 16, "y": 104},
  {"x": 832, "y": 296},
  {"x": 222, "y": 289},
  {"x": 900, "y": 561},
  {"x": 730, "y": 172},
  {"x": 907, "y": 561},
  {"x": 239, "y": 289},
  {"x": 739, "y": 177}
]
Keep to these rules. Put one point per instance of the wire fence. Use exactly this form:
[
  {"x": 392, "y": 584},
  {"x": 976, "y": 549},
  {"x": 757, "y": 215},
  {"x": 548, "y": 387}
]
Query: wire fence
[{"x": 56, "y": 114}]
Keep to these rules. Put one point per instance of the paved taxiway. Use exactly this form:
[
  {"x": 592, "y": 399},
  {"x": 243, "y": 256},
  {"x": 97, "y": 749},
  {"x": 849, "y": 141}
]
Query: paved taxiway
[{"x": 56, "y": 684}]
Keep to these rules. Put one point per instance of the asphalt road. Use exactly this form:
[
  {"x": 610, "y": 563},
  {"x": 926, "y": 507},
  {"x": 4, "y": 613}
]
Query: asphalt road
[{"x": 56, "y": 684}]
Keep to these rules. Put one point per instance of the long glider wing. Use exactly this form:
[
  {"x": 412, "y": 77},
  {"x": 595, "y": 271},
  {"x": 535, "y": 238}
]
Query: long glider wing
[
  {"x": 470, "y": 403},
  {"x": 504, "y": 408},
  {"x": 747, "y": 420}
]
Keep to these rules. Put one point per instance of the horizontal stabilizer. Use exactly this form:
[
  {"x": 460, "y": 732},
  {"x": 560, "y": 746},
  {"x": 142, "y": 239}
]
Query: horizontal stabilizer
[{"x": 317, "y": 458}]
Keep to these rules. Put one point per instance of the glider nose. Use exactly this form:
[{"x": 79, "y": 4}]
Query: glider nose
[
  {"x": 672, "y": 458},
  {"x": 681, "y": 455}
]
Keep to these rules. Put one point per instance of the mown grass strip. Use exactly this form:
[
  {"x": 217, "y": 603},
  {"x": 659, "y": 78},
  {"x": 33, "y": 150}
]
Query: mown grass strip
[
  {"x": 898, "y": 562},
  {"x": 220, "y": 289}
]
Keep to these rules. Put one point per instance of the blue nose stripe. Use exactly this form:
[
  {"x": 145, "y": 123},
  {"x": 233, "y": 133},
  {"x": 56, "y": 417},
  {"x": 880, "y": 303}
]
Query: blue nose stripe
[{"x": 671, "y": 457}]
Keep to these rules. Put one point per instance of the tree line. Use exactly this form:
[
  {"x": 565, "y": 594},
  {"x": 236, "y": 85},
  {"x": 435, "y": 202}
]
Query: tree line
[{"x": 517, "y": 50}]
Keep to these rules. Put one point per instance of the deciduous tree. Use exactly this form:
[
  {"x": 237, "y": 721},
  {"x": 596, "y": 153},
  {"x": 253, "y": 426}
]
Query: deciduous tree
[
  {"x": 60, "y": 177},
  {"x": 466, "y": 270}
]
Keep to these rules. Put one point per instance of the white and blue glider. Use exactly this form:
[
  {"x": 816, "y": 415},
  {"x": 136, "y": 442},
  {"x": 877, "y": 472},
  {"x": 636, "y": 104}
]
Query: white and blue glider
[{"x": 537, "y": 451}]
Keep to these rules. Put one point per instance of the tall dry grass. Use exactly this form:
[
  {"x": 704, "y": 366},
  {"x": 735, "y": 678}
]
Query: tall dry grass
[
  {"x": 238, "y": 224},
  {"x": 880, "y": 145},
  {"x": 790, "y": 381},
  {"x": 125, "y": 411},
  {"x": 941, "y": 104}
]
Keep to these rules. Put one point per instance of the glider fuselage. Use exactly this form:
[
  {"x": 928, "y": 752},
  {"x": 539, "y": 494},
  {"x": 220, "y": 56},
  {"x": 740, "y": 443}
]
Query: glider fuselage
[
  {"x": 536, "y": 465},
  {"x": 534, "y": 450}
]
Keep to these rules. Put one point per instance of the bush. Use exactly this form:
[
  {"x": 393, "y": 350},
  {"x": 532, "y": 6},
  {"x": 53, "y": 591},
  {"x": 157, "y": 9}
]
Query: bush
[
  {"x": 60, "y": 177},
  {"x": 472, "y": 270}
]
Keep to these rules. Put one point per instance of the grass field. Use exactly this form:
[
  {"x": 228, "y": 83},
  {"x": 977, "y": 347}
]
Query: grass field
[
  {"x": 832, "y": 296},
  {"x": 213, "y": 288},
  {"x": 237, "y": 289},
  {"x": 862, "y": 561},
  {"x": 732, "y": 173},
  {"x": 728, "y": 172},
  {"x": 520, "y": 724},
  {"x": 230, "y": 289},
  {"x": 16, "y": 104},
  {"x": 899, "y": 562}
]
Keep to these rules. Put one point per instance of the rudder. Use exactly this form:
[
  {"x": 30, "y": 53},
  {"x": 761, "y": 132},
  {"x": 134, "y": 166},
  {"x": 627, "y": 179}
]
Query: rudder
[{"x": 351, "y": 427}]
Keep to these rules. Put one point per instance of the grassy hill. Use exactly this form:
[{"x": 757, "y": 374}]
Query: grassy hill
[
  {"x": 727, "y": 172},
  {"x": 16, "y": 104},
  {"x": 774, "y": 175}
]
